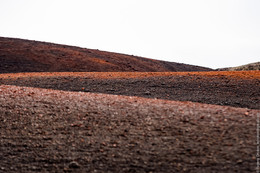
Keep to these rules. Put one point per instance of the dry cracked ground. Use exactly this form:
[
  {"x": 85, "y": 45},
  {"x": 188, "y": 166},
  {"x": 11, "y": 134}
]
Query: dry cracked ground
[{"x": 129, "y": 122}]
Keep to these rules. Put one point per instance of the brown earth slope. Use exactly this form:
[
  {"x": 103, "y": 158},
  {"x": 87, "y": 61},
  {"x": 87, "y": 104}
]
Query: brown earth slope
[
  {"x": 239, "y": 89},
  {"x": 17, "y": 55},
  {"x": 43, "y": 130},
  {"x": 90, "y": 130}
]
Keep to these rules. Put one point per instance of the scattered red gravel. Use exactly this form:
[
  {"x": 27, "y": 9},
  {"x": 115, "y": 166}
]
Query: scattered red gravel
[
  {"x": 60, "y": 118},
  {"x": 44, "y": 130},
  {"x": 238, "y": 89}
]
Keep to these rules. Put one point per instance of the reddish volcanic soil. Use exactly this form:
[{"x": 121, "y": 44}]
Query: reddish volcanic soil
[
  {"x": 18, "y": 55},
  {"x": 46, "y": 130},
  {"x": 239, "y": 89}
]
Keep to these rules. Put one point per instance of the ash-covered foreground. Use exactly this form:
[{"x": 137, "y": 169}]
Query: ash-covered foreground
[{"x": 45, "y": 130}]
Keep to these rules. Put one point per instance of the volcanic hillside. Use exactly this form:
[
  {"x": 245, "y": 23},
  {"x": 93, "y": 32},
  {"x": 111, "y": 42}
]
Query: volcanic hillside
[
  {"x": 251, "y": 66},
  {"x": 78, "y": 115},
  {"x": 18, "y": 55}
]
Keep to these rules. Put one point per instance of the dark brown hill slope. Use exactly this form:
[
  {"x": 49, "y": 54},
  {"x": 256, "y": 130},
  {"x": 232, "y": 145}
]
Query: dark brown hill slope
[
  {"x": 238, "y": 89},
  {"x": 18, "y": 55}
]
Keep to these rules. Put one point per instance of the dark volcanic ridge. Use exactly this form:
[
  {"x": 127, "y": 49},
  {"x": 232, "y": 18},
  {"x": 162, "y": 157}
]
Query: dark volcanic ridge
[
  {"x": 238, "y": 89},
  {"x": 19, "y": 55}
]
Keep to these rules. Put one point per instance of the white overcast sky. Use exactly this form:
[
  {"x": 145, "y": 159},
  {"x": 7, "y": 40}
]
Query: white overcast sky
[{"x": 210, "y": 33}]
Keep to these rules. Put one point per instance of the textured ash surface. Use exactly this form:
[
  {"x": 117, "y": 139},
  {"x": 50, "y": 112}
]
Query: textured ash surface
[
  {"x": 216, "y": 89},
  {"x": 44, "y": 130}
]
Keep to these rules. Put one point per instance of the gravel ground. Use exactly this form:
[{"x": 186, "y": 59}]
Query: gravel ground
[
  {"x": 221, "y": 88},
  {"x": 44, "y": 130}
]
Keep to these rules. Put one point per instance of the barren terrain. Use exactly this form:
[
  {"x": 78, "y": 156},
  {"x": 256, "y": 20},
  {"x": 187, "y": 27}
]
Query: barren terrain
[
  {"x": 85, "y": 110},
  {"x": 251, "y": 66},
  {"x": 86, "y": 129},
  {"x": 18, "y": 55},
  {"x": 239, "y": 89}
]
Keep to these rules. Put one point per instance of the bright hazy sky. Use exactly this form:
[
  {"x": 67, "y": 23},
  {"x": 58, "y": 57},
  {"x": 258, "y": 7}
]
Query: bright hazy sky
[{"x": 210, "y": 33}]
